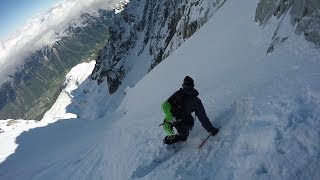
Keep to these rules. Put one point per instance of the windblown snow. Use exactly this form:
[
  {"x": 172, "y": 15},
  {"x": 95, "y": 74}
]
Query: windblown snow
[{"x": 266, "y": 105}]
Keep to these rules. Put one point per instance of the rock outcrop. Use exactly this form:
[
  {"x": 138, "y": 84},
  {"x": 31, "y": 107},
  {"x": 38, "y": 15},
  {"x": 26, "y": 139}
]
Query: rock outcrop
[
  {"x": 152, "y": 27},
  {"x": 304, "y": 13}
]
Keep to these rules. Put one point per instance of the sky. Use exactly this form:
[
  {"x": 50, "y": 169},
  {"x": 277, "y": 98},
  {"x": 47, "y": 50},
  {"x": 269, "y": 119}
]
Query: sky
[
  {"x": 27, "y": 27},
  {"x": 15, "y": 13}
]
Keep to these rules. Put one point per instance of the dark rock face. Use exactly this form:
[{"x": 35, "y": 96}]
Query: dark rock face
[
  {"x": 304, "y": 12},
  {"x": 36, "y": 85},
  {"x": 157, "y": 27}
]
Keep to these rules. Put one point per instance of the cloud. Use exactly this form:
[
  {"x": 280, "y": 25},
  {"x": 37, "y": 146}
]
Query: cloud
[{"x": 43, "y": 30}]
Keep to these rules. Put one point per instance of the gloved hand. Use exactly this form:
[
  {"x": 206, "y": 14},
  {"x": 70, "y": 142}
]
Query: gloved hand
[
  {"x": 214, "y": 131},
  {"x": 168, "y": 128}
]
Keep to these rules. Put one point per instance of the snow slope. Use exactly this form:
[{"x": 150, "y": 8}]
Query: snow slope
[
  {"x": 268, "y": 108},
  {"x": 10, "y": 131}
]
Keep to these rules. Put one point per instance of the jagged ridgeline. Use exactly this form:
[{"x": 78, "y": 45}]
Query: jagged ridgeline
[{"x": 36, "y": 85}]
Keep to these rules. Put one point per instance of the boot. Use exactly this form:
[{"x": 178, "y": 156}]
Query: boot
[{"x": 171, "y": 139}]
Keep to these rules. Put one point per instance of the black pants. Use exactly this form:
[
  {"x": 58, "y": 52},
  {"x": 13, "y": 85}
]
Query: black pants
[{"x": 183, "y": 127}]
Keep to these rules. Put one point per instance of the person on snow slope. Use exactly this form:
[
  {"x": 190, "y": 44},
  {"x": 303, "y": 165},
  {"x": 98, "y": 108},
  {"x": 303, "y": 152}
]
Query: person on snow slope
[{"x": 178, "y": 109}]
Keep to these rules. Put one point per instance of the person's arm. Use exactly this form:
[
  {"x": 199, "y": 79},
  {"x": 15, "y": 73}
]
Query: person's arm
[
  {"x": 167, "y": 126},
  {"x": 202, "y": 116}
]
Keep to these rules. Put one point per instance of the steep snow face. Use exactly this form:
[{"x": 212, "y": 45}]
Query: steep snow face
[
  {"x": 266, "y": 105},
  {"x": 149, "y": 29}
]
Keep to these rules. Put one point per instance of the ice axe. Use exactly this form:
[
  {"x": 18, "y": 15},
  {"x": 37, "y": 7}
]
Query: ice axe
[{"x": 204, "y": 141}]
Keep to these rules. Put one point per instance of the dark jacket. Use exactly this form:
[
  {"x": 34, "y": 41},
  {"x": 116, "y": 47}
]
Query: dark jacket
[{"x": 191, "y": 103}]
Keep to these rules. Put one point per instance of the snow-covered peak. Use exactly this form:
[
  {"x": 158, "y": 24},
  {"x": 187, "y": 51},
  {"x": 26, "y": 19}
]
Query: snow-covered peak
[
  {"x": 74, "y": 79},
  {"x": 120, "y": 6}
]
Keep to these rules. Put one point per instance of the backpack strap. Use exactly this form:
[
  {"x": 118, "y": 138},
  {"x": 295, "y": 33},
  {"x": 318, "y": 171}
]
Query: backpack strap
[{"x": 177, "y": 101}]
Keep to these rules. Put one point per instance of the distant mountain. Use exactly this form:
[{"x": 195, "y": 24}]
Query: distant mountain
[{"x": 36, "y": 84}]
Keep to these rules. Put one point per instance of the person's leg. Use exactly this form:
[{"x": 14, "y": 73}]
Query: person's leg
[
  {"x": 182, "y": 135},
  {"x": 182, "y": 128},
  {"x": 171, "y": 139},
  {"x": 183, "y": 132}
]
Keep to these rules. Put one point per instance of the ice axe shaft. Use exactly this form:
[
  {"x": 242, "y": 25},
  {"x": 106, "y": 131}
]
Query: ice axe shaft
[{"x": 204, "y": 141}]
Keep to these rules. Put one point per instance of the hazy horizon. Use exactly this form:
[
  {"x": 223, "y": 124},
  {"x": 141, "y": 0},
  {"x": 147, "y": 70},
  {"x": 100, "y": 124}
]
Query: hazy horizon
[{"x": 14, "y": 14}]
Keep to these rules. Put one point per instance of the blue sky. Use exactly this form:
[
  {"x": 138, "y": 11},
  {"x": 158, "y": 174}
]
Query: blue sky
[{"x": 14, "y": 13}]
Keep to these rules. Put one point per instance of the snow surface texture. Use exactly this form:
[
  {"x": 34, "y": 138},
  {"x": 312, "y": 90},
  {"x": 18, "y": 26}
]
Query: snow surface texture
[{"x": 268, "y": 108}]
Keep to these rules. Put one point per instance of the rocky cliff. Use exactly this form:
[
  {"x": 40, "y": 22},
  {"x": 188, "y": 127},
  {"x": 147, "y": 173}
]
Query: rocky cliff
[
  {"x": 158, "y": 27},
  {"x": 305, "y": 14},
  {"x": 152, "y": 27}
]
